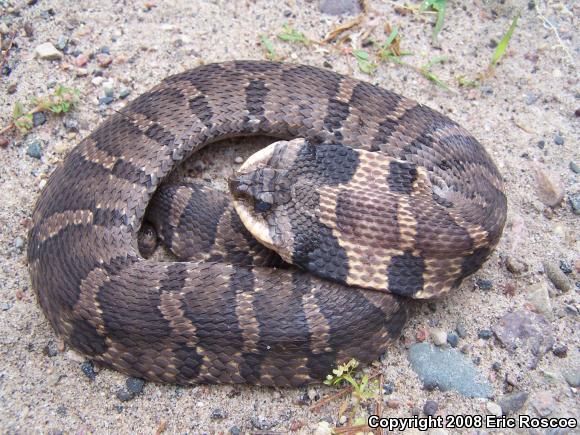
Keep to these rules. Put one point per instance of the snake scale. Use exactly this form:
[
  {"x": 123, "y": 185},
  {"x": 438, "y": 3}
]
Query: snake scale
[{"x": 400, "y": 202}]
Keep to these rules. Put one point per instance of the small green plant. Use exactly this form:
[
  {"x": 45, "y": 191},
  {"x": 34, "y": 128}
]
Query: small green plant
[
  {"x": 362, "y": 390},
  {"x": 439, "y": 7},
  {"x": 364, "y": 62},
  {"x": 268, "y": 48},
  {"x": 391, "y": 49},
  {"x": 502, "y": 46},
  {"x": 291, "y": 35},
  {"x": 62, "y": 100},
  {"x": 425, "y": 70}
]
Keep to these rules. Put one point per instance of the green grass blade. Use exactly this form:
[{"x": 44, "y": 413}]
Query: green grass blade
[{"x": 502, "y": 46}]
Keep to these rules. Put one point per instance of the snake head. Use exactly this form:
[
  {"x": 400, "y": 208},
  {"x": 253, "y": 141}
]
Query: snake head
[{"x": 263, "y": 193}]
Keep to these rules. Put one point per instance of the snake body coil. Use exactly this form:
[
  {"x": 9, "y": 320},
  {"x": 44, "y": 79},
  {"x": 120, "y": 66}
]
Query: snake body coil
[{"x": 437, "y": 209}]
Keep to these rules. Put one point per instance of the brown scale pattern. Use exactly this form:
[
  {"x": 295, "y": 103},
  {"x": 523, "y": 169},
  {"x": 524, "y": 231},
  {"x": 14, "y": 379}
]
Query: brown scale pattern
[{"x": 213, "y": 321}]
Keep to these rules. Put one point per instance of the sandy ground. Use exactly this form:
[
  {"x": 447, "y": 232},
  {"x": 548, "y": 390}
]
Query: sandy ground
[{"x": 532, "y": 97}]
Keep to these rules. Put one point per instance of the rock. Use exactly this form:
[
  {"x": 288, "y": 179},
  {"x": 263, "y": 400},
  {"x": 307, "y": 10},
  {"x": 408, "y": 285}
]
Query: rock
[
  {"x": 572, "y": 376},
  {"x": 575, "y": 203},
  {"x": 234, "y": 430},
  {"x": 88, "y": 370},
  {"x": 38, "y": 118},
  {"x": 543, "y": 403},
  {"x": 460, "y": 329},
  {"x": 565, "y": 267},
  {"x": 393, "y": 403},
  {"x": 238, "y": 160},
  {"x": 19, "y": 244},
  {"x": 430, "y": 407},
  {"x": 135, "y": 385},
  {"x": 438, "y": 336},
  {"x": 47, "y": 51},
  {"x": 496, "y": 366},
  {"x": 547, "y": 189},
  {"x": 51, "y": 349},
  {"x": 515, "y": 265},
  {"x": 493, "y": 408},
  {"x": 11, "y": 89},
  {"x": 452, "y": 339},
  {"x": 260, "y": 422},
  {"x": 124, "y": 92},
  {"x": 530, "y": 99},
  {"x": 313, "y": 394},
  {"x": 484, "y": 284},
  {"x": 28, "y": 29},
  {"x": 484, "y": 334},
  {"x": 98, "y": 80},
  {"x": 525, "y": 329},
  {"x": 558, "y": 278},
  {"x": 558, "y": 139},
  {"x": 541, "y": 144},
  {"x": 539, "y": 298},
  {"x": 560, "y": 351},
  {"x": 103, "y": 60},
  {"x": 323, "y": 428},
  {"x": 62, "y": 43},
  {"x": 388, "y": 388},
  {"x": 340, "y": 7},
  {"x": 71, "y": 124},
  {"x": 124, "y": 396},
  {"x": 574, "y": 167},
  {"x": 81, "y": 60},
  {"x": 34, "y": 149},
  {"x": 106, "y": 100},
  {"x": 512, "y": 403},
  {"x": 218, "y": 414},
  {"x": 447, "y": 369}
]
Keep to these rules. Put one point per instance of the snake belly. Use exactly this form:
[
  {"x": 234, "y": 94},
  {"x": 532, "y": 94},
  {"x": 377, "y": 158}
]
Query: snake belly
[{"x": 216, "y": 322}]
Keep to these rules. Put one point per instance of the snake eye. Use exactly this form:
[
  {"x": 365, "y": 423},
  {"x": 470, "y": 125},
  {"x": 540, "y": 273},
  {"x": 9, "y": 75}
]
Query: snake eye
[{"x": 262, "y": 206}]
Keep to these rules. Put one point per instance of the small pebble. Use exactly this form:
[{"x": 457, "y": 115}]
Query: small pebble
[
  {"x": 476, "y": 360},
  {"x": 486, "y": 90},
  {"x": 97, "y": 81},
  {"x": 515, "y": 265},
  {"x": 6, "y": 306},
  {"x": 11, "y": 89},
  {"x": 106, "y": 100},
  {"x": 541, "y": 144},
  {"x": 574, "y": 167},
  {"x": 539, "y": 297},
  {"x": 565, "y": 267},
  {"x": 124, "y": 396},
  {"x": 238, "y": 160},
  {"x": 47, "y": 51},
  {"x": 466, "y": 348},
  {"x": 438, "y": 336},
  {"x": 512, "y": 403},
  {"x": 548, "y": 189},
  {"x": 543, "y": 403},
  {"x": 575, "y": 203},
  {"x": 558, "y": 139},
  {"x": 103, "y": 60},
  {"x": 530, "y": 99},
  {"x": 34, "y": 149},
  {"x": 134, "y": 385},
  {"x": 81, "y": 60},
  {"x": 496, "y": 366},
  {"x": 393, "y": 403},
  {"x": 572, "y": 376},
  {"x": 61, "y": 43},
  {"x": 218, "y": 414},
  {"x": 28, "y": 29},
  {"x": 558, "y": 278},
  {"x": 51, "y": 349},
  {"x": 88, "y": 370},
  {"x": 234, "y": 430},
  {"x": 19, "y": 244},
  {"x": 388, "y": 388},
  {"x": 484, "y": 334},
  {"x": 460, "y": 329},
  {"x": 493, "y": 408},
  {"x": 124, "y": 92},
  {"x": 430, "y": 407},
  {"x": 38, "y": 118},
  {"x": 560, "y": 351},
  {"x": 452, "y": 339},
  {"x": 71, "y": 124},
  {"x": 484, "y": 284}
]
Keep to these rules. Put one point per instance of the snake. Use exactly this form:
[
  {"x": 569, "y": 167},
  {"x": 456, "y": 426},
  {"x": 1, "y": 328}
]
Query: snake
[{"x": 365, "y": 200}]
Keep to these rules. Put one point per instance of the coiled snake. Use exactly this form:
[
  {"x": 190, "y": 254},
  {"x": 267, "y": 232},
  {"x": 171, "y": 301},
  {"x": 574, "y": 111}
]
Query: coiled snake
[{"x": 380, "y": 193}]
